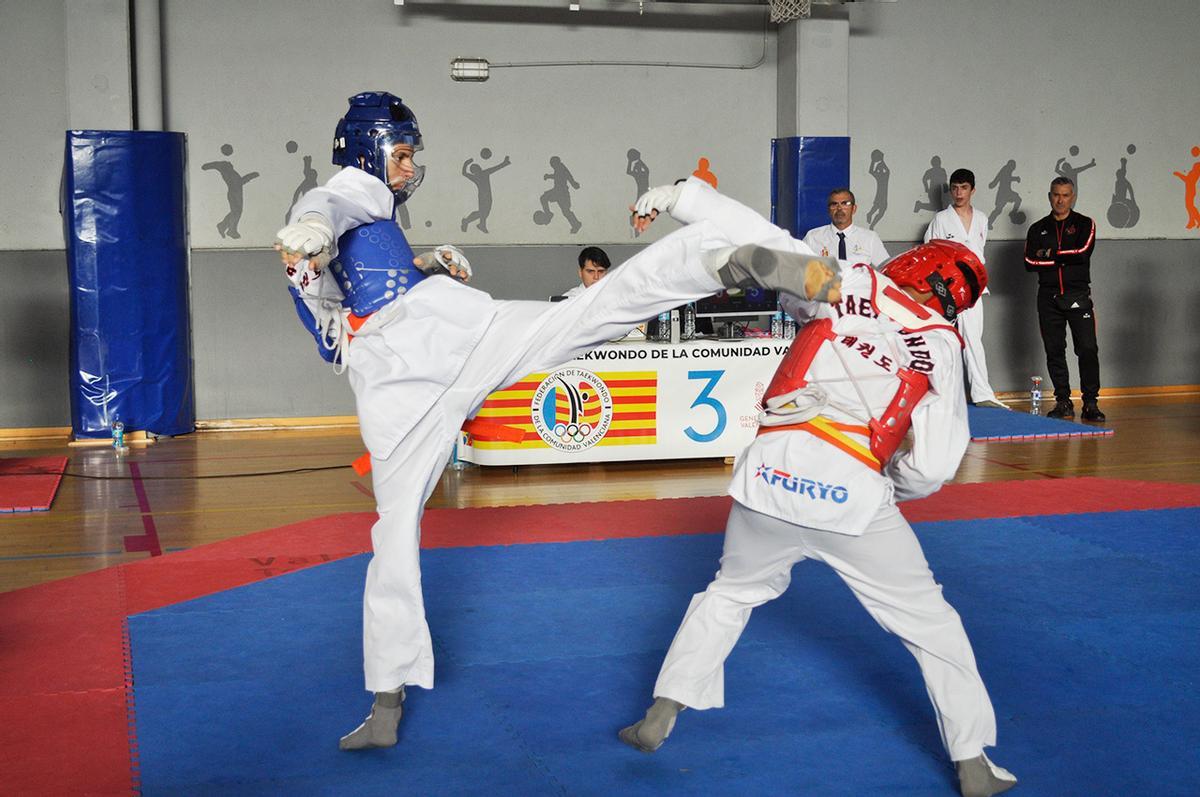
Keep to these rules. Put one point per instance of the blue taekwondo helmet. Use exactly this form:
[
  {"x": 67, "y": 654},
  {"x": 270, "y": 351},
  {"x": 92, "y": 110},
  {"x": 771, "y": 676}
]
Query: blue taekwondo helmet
[{"x": 375, "y": 123}]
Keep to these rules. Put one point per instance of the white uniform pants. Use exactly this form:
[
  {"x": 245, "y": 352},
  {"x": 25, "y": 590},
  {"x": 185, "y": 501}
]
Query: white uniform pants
[
  {"x": 886, "y": 570},
  {"x": 970, "y": 326},
  {"x": 524, "y": 337}
]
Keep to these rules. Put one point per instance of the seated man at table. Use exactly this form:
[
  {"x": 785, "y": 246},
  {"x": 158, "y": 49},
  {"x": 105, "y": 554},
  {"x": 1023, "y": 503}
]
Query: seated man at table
[{"x": 593, "y": 265}]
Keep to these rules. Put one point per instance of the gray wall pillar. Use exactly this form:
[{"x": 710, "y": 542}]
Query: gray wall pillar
[
  {"x": 813, "y": 78},
  {"x": 99, "y": 91},
  {"x": 147, "y": 56}
]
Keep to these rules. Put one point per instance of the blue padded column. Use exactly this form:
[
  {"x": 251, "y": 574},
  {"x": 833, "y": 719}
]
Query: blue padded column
[
  {"x": 124, "y": 208},
  {"x": 804, "y": 169}
]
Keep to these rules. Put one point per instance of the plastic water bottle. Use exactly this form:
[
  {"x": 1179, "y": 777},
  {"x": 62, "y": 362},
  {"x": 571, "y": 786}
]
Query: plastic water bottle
[
  {"x": 663, "y": 330},
  {"x": 118, "y": 437},
  {"x": 455, "y": 462},
  {"x": 777, "y": 324},
  {"x": 789, "y": 327},
  {"x": 1035, "y": 395},
  {"x": 687, "y": 322}
]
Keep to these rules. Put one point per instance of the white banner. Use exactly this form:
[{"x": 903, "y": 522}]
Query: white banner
[{"x": 630, "y": 401}]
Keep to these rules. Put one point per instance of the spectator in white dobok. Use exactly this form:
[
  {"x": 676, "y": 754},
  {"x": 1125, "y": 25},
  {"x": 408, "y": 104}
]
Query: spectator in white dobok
[
  {"x": 842, "y": 238},
  {"x": 962, "y": 224}
]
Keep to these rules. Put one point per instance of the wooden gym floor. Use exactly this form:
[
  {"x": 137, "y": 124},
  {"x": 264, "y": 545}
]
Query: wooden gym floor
[{"x": 1157, "y": 439}]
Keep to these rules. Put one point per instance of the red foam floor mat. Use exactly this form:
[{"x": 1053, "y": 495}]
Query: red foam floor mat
[
  {"x": 65, "y": 725},
  {"x": 28, "y": 484}
]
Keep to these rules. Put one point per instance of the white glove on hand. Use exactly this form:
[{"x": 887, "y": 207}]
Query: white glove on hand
[
  {"x": 446, "y": 259},
  {"x": 660, "y": 200},
  {"x": 311, "y": 238},
  {"x": 451, "y": 255}
]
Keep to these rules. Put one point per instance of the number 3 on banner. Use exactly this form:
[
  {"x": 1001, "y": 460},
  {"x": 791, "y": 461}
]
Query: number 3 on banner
[{"x": 706, "y": 400}]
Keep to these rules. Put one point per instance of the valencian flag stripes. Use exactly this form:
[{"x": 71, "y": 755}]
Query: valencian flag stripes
[{"x": 572, "y": 409}]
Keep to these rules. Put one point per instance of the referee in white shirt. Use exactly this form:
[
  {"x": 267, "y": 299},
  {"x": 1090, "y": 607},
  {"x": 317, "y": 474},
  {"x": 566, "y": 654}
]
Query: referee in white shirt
[{"x": 842, "y": 239}]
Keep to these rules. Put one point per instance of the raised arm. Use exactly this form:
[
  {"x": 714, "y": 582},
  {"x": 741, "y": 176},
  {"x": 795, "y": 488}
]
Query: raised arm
[{"x": 695, "y": 200}]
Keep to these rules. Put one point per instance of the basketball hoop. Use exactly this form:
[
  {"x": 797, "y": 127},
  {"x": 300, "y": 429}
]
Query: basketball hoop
[{"x": 787, "y": 10}]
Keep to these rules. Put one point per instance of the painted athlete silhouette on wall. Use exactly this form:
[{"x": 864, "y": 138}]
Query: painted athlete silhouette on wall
[
  {"x": 934, "y": 183},
  {"x": 636, "y": 168},
  {"x": 559, "y": 194},
  {"x": 1189, "y": 191},
  {"x": 705, "y": 173},
  {"x": 1063, "y": 168},
  {"x": 482, "y": 178},
  {"x": 234, "y": 183},
  {"x": 307, "y": 184},
  {"x": 880, "y": 171},
  {"x": 1124, "y": 211},
  {"x": 1005, "y": 195}
]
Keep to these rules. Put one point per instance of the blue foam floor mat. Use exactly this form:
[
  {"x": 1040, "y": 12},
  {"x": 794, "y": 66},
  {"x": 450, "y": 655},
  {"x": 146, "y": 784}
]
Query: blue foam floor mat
[
  {"x": 1085, "y": 628},
  {"x": 992, "y": 423}
]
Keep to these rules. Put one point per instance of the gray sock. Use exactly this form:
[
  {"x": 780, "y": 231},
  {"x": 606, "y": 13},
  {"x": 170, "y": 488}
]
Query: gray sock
[
  {"x": 649, "y": 733},
  {"x": 804, "y": 276},
  {"x": 379, "y": 729},
  {"x": 979, "y": 777}
]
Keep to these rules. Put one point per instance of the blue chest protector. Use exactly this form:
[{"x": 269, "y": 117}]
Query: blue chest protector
[{"x": 374, "y": 265}]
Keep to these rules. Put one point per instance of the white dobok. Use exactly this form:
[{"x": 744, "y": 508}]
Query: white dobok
[
  {"x": 798, "y": 496},
  {"x": 427, "y": 366},
  {"x": 947, "y": 225}
]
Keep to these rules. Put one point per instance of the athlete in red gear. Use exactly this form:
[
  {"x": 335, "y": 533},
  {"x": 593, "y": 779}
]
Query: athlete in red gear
[{"x": 822, "y": 479}]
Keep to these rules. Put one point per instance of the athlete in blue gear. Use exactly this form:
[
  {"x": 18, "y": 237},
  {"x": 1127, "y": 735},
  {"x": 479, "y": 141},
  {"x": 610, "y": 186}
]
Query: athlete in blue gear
[{"x": 423, "y": 351}]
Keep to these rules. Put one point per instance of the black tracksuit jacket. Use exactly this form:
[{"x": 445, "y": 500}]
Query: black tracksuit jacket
[{"x": 1067, "y": 270}]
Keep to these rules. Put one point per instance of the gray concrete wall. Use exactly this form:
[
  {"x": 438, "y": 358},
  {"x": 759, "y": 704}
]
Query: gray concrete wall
[
  {"x": 252, "y": 359},
  {"x": 977, "y": 84},
  {"x": 981, "y": 83}
]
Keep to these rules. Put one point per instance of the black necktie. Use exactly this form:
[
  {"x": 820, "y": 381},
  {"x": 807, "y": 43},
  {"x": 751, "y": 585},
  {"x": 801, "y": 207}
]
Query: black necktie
[{"x": 841, "y": 246}]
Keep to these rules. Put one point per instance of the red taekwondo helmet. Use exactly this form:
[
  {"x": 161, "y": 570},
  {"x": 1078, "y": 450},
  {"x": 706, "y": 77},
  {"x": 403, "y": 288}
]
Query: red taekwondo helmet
[{"x": 948, "y": 270}]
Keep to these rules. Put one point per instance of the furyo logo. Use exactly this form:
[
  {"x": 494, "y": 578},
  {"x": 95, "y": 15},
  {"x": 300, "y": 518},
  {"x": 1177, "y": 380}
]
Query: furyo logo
[{"x": 816, "y": 490}]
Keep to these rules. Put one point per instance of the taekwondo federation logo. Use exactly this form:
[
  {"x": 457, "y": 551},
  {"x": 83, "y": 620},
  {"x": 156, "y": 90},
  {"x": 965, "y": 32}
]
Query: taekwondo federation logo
[
  {"x": 572, "y": 409},
  {"x": 816, "y": 490}
]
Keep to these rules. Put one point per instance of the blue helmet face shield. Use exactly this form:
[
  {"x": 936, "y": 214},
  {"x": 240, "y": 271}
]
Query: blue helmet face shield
[
  {"x": 374, "y": 124},
  {"x": 383, "y": 154}
]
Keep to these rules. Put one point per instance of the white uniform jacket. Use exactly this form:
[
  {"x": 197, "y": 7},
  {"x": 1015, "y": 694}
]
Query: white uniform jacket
[
  {"x": 862, "y": 245},
  {"x": 800, "y": 478},
  {"x": 418, "y": 350},
  {"x": 948, "y": 226}
]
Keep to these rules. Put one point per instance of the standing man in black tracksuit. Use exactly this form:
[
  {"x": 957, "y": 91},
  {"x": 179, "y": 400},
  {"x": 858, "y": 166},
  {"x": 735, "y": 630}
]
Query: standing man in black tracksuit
[{"x": 1059, "y": 249}]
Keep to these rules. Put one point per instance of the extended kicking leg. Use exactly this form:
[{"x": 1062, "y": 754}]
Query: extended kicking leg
[{"x": 810, "y": 277}]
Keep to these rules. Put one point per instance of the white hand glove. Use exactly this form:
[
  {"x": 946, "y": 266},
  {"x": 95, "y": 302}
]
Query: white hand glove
[
  {"x": 660, "y": 199},
  {"x": 311, "y": 237},
  {"x": 451, "y": 255},
  {"x": 440, "y": 260}
]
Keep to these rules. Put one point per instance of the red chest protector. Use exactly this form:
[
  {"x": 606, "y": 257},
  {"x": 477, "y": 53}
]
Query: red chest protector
[{"x": 887, "y": 431}]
